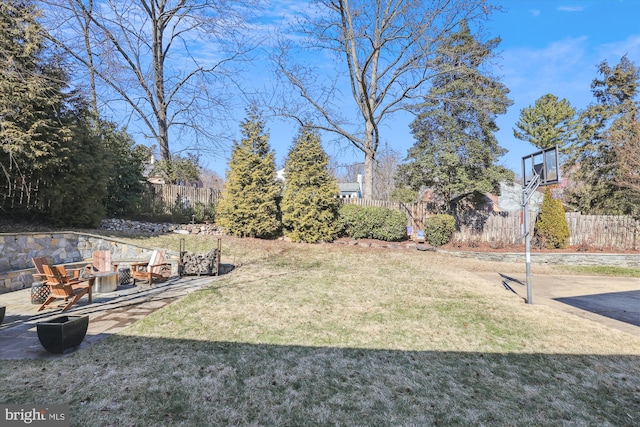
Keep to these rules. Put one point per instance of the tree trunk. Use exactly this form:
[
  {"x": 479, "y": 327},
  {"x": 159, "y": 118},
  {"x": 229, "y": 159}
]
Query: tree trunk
[
  {"x": 368, "y": 175},
  {"x": 158, "y": 68},
  {"x": 370, "y": 147}
]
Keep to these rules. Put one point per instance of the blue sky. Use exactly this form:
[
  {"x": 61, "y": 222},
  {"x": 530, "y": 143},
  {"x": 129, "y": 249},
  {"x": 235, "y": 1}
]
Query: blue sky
[{"x": 548, "y": 46}]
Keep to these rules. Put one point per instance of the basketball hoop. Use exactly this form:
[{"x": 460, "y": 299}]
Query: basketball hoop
[
  {"x": 539, "y": 168},
  {"x": 543, "y": 163}
]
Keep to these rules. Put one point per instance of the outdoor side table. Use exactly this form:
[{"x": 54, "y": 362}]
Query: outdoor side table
[
  {"x": 125, "y": 275},
  {"x": 39, "y": 293}
]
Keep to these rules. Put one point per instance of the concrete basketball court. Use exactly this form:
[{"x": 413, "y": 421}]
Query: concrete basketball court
[{"x": 612, "y": 301}]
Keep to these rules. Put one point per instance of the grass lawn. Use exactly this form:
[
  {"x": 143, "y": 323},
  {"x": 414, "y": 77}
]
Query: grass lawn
[{"x": 342, "y": 335}]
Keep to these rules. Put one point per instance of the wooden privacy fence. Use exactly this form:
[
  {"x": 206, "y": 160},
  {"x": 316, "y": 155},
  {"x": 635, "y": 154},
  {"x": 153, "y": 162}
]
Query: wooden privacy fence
[
  {"x": 590, "y": 231},
  {"x": 416, "y": 212},
  {"x": 604, "y": 231},
  {"x": 178, "y": 195}
]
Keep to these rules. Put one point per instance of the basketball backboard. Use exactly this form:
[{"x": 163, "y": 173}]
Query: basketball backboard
[{"x": 543, "y": 163}]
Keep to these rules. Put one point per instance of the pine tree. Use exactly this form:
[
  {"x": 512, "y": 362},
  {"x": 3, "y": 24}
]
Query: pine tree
[
  {"x": 49, "y": 139},
  {"x": 309, "y": 204},
  {"x": 548, "y": 123},
  {"x": 456, "y": 150},
  {"x": 594, "y": 157},
  {"x": 626, "y": 142},
  {"x": 552, "y": 230},
  {"x": 125, "y": 186},
  {"x": 30, "y": 89},
  {"x": 249, "y": 203}
]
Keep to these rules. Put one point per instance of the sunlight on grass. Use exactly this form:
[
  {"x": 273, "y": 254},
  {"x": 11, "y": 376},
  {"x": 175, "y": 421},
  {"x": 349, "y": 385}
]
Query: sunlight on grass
[
  {"x": 597, "y": 270},
  {"x": 328, "y": 334},
  {"x": 327, "y": 295}
]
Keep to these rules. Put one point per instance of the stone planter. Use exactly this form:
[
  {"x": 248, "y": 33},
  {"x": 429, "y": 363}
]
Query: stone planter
[
  {"x": 61, "y": 333},
  {"x": 3, "y": 309}
]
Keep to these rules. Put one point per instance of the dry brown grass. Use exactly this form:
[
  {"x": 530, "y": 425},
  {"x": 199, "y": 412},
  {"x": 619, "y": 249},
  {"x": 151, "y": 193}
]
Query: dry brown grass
[{"x": 328, "y": 334}]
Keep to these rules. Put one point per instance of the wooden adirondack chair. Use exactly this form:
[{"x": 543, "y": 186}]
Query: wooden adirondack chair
[
  {"x": 101, "y": 263},
  {"x": 105, "y": 273},
  {"x": 39, "y": 263},
  {"x": 156, "y": 268},
  {"x": 63, "y": 287}
]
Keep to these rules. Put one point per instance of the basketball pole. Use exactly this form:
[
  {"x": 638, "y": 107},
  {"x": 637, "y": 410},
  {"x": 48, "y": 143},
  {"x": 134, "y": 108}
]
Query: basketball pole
[
  {"x": 544, "y": 169},
  {"x": 526, "y": 195}
]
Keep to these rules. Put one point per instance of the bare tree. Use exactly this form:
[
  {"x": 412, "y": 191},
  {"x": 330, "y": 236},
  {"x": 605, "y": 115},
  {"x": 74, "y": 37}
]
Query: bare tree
[
  {"x": 345, "y": 172},
  {"x": 626, "y": 145},
  {"x": 386, "y": 164},
  {"x": 385, "y": 48},
  {"x": 211, "y": 179},
  {"x": 167, "y": 63}
]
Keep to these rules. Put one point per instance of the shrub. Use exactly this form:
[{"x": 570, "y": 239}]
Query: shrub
[
  {"x": 204, "y": 212},
  {"x": 404, "y": 195},
  {"x": 372, "y": 223},
  {"x": 309, "y": 205},
  {"x": 249, "y": 203},
  {"x": 552, "y": 230},
  {"x": 348, "y": 216},
  {"x": 438, "y": 229}
]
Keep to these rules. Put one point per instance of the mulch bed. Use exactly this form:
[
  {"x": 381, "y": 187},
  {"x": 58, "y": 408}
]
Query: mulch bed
[{"x": 12, "y": 226}]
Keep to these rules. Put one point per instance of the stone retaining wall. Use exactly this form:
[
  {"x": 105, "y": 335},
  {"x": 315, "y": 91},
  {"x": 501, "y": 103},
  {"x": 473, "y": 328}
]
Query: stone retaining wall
[
  {"x": 67, "y": 248},
  {"x": 616, "y": 260},
  {"x": 128, "y": 226}
]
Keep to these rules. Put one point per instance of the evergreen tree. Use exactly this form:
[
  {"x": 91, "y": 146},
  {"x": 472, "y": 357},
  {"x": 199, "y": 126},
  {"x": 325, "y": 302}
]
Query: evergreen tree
[
  {"x": 125, "y": 187},
  {"x": 548, "y": 123},
  {"x": 30, "y": 90},
  {"x": 309, "y": 204},
  {"x": 456, "y": 150},
  {"x": 552, "y": 230},
  {"x": 626, "y": 142},
  {"x": 249, "y": 203},
  {"x": 77, "y": 186},
  {"x": 179, "y": 169},
  {"x": 594, "y": 157},
  {"x": 49, "y": 140}
]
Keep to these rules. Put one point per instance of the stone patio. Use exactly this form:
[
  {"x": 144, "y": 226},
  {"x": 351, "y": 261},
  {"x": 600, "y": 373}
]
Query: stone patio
[{"x": 108, "y": 314}]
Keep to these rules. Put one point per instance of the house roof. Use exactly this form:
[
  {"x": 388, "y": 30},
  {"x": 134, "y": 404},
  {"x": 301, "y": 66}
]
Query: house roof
[{"x": 349, "y": 187}]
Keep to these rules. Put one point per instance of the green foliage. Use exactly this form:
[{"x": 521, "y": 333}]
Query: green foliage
[
  {"x": 76, "y": 186},
  {"x": 30, "y": 92},
  {"x": 361, "y": 222},
  {"x": 625, "y": 140},
  {"x": 52, "y": 143},
  {"x": 249, "y": 203},
  {"x": 594, "y": 158},
  {"x": 154, "y": 209},
  {"x": 309, "y": 205},
  {"x": 348, "y": 215},
  {"x": 182, "y": 211},
  {"x": 552, "y": 230},
  {"x": 438, "y": 229},
  {"x": 178, "y": 170},
  {"x": 125, "y": 188},
  {"x": 404, "y": 195},
  {"x": 548, "y": 123},
  {"x": 456, "y": 150},
  {"x": 204, "y": 212}
]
